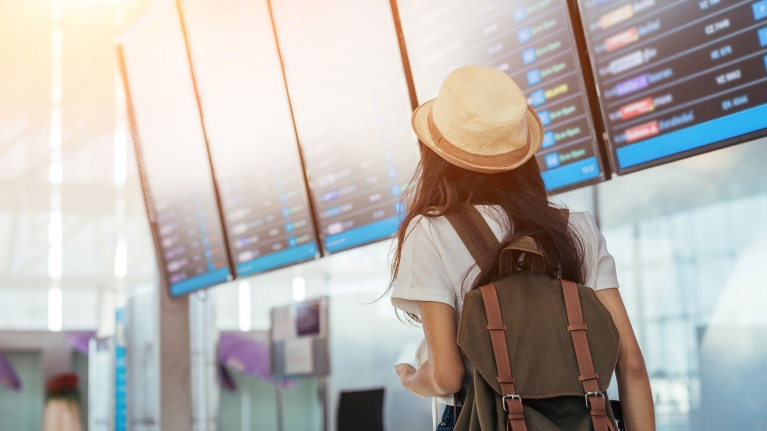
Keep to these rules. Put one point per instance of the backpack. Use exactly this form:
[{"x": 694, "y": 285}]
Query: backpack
[{"x": 556, "y": 337}]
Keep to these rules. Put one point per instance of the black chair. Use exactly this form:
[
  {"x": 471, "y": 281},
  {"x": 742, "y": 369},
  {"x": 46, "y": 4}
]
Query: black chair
[
  {"x": 618, "y": 413},
  {"x": 361, "y": 410}
]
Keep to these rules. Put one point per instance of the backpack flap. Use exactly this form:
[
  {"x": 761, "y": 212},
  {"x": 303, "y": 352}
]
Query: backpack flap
[
  {"x": 540, "y": 347},
  {"x": 523, "y": 332}
]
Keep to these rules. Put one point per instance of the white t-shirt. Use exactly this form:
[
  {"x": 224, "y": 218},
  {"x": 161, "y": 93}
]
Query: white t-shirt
[{"x": 434, "y": 261}]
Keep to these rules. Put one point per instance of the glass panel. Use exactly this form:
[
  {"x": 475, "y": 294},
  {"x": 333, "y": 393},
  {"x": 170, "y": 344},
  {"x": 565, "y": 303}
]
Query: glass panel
[
  {"x": 301, "y": 410},
  {"x": 257, "y": 405},
  {"x": 690, "y": 242},
  {"x": 63, "y": 211},
  {"x": 22, "y": 411}
]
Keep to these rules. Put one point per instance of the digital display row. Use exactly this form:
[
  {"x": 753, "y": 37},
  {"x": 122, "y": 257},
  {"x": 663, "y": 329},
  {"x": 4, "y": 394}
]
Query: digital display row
[
  {"x": 173, "y": 152},
  {"x": 250, "y": 133},
  {"x": 674, "y": 79},
  {"x": 352, "y": 112},
  {"x": 533, "y": 42},
  {"x": 677, "y": 78}
]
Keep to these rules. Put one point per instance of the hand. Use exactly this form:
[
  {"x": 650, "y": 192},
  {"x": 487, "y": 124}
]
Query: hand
[{"x": 405, "y": 373}]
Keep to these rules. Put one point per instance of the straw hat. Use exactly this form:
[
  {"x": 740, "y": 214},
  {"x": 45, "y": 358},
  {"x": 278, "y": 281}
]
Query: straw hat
[{"x": 479, "y": 121}]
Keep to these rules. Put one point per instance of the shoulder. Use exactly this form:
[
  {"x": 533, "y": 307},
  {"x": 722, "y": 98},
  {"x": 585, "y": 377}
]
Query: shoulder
[
  {"x": 418, "y": 225},
  {"x": 584, "y": 224},
  {"x": 433, "y": 227},
  {"x": 585, "y": 227},
  {"x": 441, "y": 232},
  {"x": 424, "y": 230}
]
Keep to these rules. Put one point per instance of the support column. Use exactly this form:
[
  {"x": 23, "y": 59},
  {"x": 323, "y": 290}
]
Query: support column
[
  {"x": 204, "y": 336},
  {"x": 175, "y": 363}
]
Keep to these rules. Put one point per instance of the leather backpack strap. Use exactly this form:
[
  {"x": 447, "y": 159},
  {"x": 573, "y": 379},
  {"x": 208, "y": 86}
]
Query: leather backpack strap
[
  {"x": 595, "y": 399},
  {"x": 480, "y": 240},
  {"x": 512, "y": 403},
  {"x": 475, "y": 233}
]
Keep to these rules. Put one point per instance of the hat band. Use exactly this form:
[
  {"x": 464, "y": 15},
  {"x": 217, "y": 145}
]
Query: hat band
[{"x": 514, "y": 157}]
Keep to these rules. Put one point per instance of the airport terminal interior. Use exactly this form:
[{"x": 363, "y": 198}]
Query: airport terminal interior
[{"x": 198, "y": 199}]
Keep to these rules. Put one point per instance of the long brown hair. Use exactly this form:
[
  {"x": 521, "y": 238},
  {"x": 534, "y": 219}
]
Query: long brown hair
[{"x": 439, "y": 188}]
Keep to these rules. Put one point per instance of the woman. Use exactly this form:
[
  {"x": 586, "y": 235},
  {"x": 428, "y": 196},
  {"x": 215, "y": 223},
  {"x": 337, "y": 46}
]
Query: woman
[{"x": 480, "y": 139}]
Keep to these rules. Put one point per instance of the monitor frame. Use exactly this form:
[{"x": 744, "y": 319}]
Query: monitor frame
[{"x": 578, "y": 37}]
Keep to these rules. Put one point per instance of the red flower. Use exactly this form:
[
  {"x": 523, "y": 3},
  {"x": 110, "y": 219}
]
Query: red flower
[{"x": 62, "y": 383}]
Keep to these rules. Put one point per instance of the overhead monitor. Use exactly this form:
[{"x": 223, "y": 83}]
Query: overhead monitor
[
  {"x": 533, "y": 42},
  {"x": 678, "y": 78},
  {"x": 170, "y": 143},
  {"x": 250, "y": 132},
  {"x": 352, "y": 111}
]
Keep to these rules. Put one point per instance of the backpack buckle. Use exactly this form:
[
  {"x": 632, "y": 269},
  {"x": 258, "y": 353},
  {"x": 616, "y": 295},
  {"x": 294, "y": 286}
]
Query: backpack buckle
[
  {"x": 592, "y": 394},
  {"x": 511, "y": 397}
]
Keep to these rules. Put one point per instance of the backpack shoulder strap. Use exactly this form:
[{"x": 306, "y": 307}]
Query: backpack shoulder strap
[
  {"x": 595, "y": 399},
  {"x": 511, "y": 401},
  {"x": 480, "y": 239},
  {"x": 474, "y": 231}
]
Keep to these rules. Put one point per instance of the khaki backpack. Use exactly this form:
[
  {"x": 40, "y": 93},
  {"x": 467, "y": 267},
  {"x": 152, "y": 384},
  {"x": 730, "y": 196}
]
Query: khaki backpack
[{"x": 556, "y": 336}]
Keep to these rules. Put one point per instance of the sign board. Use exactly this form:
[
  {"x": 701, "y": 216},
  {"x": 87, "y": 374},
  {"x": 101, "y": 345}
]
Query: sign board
[{"x": 299, "y": 339}]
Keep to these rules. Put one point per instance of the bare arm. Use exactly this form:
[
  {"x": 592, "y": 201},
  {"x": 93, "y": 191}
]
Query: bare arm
[
  {"x": 633, "y": 381},
  {"x": 442, "y": 373}
]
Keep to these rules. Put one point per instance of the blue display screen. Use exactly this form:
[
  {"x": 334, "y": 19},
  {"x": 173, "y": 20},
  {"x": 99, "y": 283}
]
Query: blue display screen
[
  {"x": 678, "y": 78},
  {"x": 173, "y": 157},
  {"x": 352, "y": 111},
  {"x": 533, "y": 42},
  {"x": 250, "y": 133}
]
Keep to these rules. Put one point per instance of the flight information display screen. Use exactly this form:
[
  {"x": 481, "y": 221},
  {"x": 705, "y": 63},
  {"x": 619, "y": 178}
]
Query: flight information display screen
[
  {"x": 533, "y": 42},
  {"x": 172, "y": 152},
  {"x": 250, "y": 133},
  {"x": 678, "y": 78},
  {"x": 352, "y": 112}
]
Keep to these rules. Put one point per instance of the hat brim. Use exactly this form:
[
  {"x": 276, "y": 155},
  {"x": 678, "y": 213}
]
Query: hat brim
[{"x": 420, "y": 124}]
